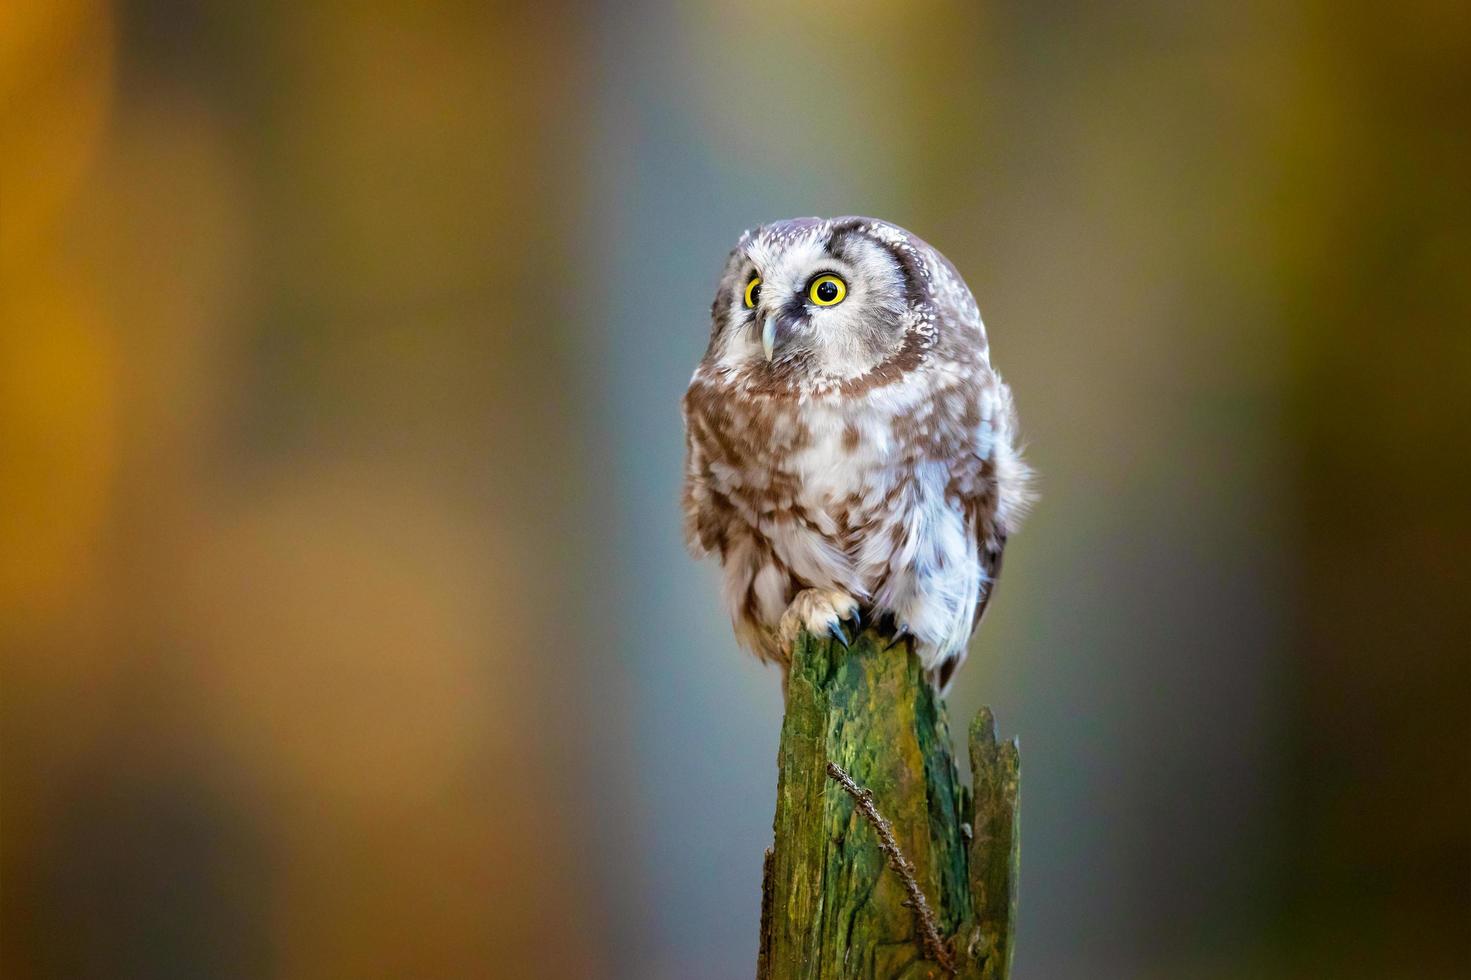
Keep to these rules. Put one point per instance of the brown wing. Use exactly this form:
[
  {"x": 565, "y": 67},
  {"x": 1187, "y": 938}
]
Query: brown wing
[
  {"x": 708, "y": 513},
  {"x": 991, "y": 566},
  {"x": 700, "y": 532}
]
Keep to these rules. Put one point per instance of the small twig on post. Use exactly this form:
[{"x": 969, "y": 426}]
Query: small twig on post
[{"x": 929, "y": 931}]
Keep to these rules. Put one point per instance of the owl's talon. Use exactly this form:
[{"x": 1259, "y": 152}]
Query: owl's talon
[{"x": 816, "y": 611}]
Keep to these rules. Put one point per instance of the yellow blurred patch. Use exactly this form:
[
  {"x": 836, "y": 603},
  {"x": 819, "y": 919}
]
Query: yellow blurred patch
[
  {"x": 57, "y": 402},
  {"x": 56, "y": 83}
]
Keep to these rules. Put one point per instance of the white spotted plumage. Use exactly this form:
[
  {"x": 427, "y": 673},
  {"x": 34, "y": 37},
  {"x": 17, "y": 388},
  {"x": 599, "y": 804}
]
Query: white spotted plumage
[{"x": 870, "y": 462}]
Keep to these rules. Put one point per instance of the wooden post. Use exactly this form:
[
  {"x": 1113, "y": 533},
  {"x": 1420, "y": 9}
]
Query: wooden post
[{"x": 881, "y": 867}]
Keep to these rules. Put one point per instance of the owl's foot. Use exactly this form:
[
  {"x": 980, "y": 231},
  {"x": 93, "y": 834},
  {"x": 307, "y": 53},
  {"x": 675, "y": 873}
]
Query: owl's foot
[
  {"x": 818, "y": 611},
  {"x": 889, "y": 625}
]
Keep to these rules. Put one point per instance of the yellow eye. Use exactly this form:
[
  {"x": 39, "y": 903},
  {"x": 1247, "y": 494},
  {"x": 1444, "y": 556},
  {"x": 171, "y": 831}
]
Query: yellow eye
[
  {"x": 827, "y": 291},
  {"x": 753, "y": 292}
]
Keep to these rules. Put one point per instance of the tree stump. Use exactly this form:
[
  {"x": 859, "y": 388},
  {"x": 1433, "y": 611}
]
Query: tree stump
[{"x": 835, "y": 902}]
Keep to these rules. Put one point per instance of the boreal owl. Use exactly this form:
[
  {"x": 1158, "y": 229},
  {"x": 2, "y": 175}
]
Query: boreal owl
[{"x": 851, "y": 453}]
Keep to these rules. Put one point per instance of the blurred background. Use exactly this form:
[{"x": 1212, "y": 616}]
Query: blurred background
[{"x": 347, "y": 629}]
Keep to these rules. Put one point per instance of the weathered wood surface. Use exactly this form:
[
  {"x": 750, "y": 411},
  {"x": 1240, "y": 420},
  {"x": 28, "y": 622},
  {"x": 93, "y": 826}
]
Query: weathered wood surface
[
  {"x": 832, "y": 905},
  {"x": 995, "y": 850}
]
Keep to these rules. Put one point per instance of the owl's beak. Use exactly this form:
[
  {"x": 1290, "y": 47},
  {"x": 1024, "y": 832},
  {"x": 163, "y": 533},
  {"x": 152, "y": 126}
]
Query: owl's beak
[{"x": 768, "y": 336}]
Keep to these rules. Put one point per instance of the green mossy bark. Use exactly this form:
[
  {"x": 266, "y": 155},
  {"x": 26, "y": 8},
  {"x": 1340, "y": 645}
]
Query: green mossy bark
[
  {"x": 831, "y": 905},
  {"x": 995, "y": 851}
]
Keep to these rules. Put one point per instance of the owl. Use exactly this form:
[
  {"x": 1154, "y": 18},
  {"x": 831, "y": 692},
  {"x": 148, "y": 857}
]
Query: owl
[{"x": 851, "y": 454}]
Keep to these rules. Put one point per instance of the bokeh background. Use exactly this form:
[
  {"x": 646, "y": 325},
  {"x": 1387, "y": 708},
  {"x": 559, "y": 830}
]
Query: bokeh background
[{"x": 347, "y": 630}]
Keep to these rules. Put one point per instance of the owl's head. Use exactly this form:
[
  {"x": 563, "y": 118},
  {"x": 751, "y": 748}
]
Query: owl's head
[{"x": 814, "y": 298}]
